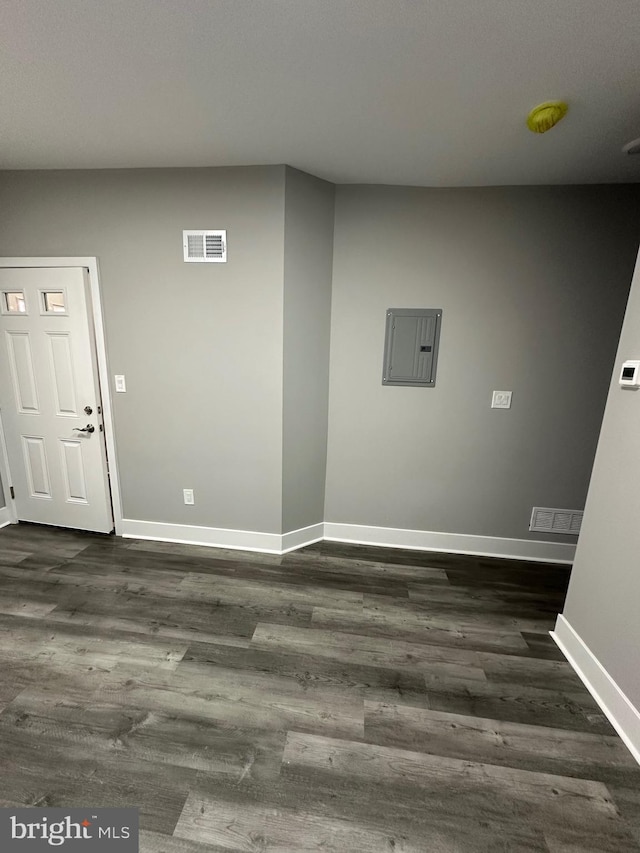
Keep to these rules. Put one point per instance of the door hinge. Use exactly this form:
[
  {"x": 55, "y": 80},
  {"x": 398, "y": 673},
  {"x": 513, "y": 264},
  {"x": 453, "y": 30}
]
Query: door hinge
[{"x": 12, "y": 493}]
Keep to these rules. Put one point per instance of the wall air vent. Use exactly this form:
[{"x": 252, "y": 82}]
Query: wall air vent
[
  {"x": 545, "y": 520},
  {"x": 205, "y": 247}
]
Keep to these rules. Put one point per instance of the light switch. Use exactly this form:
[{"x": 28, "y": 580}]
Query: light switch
[
  {"x": 501, "y": 400},
  {"x": 121, "y": 385},
  {"x": 630, "y": 375}
]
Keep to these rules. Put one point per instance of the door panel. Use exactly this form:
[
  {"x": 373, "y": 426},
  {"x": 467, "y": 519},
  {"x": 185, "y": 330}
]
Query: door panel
[
  {"x": 62, "y": 374},
  {"x": 48, "y": 375},
  {"x": 37, "y": 469},
  {"x": 24, "y": 380},
  {"x": 73, "y": 468}
]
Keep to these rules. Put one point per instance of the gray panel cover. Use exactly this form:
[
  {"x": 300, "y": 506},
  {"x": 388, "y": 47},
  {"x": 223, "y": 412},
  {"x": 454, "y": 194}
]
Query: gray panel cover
[{"x": 411, "y": 346}]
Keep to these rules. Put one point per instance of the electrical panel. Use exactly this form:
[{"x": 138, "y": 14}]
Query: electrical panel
[{"x": 411, "y": 346}]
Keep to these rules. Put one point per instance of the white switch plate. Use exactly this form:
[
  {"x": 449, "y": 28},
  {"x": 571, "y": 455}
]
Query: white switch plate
[
  {"x": 188, "y": 497},
  {"x": 121, "y": 385},
  {"x": 501, "y": 400}
]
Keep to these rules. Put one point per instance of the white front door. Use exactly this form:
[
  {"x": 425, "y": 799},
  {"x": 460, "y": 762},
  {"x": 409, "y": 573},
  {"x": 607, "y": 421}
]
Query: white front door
[{"x": 50, "y": 399}]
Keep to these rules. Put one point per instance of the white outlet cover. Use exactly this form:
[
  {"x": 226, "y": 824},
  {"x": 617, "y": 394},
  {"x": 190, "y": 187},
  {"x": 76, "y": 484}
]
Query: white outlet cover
[
  {"x": 120, "y": 381},
  {"x": 501, "y": 400}
]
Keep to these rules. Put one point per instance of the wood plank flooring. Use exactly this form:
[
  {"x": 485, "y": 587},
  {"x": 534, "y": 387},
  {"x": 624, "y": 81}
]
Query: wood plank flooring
[{"x": 338, "y": 699}]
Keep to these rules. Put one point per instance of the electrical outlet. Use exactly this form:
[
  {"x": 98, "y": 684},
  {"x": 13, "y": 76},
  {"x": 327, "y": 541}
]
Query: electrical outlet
[
  {"x": 501, "y": 400},
  {"x": 188, "y": 496}
]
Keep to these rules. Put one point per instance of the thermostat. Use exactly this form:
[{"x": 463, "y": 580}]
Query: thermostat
[{"x": 630, "y": 374}]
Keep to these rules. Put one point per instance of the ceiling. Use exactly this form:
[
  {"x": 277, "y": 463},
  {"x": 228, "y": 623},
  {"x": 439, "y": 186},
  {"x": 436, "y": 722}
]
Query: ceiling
[{"x": 424, "y": 92}]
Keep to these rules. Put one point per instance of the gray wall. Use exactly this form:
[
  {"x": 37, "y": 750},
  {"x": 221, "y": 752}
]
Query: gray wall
[
  {"x": 533, "y": 283},
  {"x": 308, "y": 254},
  {"x": 602, "y": 602},
  {"x": 3, "y": 503},
  {"x": 226, "y": 363},
  {"x": 200, "y": 344}
]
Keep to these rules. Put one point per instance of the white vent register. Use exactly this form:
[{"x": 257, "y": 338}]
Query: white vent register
[
  {"x": 205, "y": 247},
  {"x": 546, "y": 520}
]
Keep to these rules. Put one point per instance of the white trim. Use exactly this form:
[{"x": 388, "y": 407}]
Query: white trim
[
  {"x": 623, "y": 716},
  {"x": 303, "y": 536},
  {"x": 103, "y": 369},
  {"x": 5, "y": 516},
  {"x": 386, "y": 537},
  {"x": 219, "y": 537},
  {"x": 5, "y": 476},
  {"x": 451, "y": 543}
]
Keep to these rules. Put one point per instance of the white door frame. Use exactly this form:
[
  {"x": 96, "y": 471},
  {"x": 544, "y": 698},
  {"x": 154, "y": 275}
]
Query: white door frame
[
  {"x": 8, "y": 513},
  {"x": 91, "y": 264}
]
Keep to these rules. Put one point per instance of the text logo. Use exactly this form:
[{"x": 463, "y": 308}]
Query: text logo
[{"x": 35, "y": 830}]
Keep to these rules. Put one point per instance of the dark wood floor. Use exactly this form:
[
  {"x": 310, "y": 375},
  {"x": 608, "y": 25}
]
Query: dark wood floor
[{"x": 341, "y": 699}]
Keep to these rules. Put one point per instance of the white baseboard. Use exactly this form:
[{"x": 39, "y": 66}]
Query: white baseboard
[
  {"x": 388, "y": 537},
  {"x": 304, "y": 536},
  {"x": 219, "y": 537},
  {"x": 623, "y": 716},
  {"x": 451, "y": 543},
  {"x": 5, "y": 516}
]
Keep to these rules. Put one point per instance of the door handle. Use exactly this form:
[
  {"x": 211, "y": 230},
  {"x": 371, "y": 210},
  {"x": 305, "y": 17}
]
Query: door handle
[{"x": 88, "y": 428}]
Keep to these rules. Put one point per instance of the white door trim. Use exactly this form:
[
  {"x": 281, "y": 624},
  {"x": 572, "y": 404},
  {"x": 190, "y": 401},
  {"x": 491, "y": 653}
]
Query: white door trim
[
  {"x": 103, "y": 368},
  {"x": 8, "y": 514}
]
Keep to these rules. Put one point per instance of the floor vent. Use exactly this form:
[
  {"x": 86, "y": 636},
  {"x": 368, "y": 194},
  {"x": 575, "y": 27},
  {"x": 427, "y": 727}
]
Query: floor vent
[{"x": 545, "y": 520}]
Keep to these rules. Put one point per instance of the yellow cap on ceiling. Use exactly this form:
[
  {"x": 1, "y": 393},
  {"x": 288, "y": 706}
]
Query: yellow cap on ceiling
[{"x": 543, "y": 117}]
